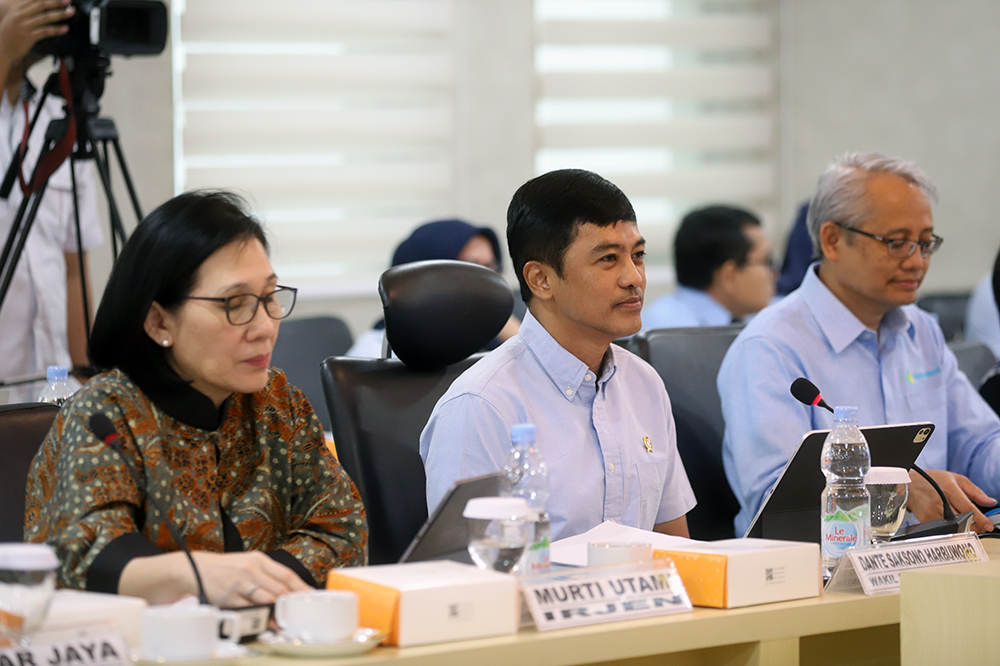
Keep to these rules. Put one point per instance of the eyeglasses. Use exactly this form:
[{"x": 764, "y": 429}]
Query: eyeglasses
[
  {"x": 899, "y": 247},
  {"x": 242, "y": 308}
]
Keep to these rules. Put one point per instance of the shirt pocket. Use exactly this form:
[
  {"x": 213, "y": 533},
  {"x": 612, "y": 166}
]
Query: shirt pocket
[
  {"x": 652, "y": 477},
  {"x": 926, "y": 399}
]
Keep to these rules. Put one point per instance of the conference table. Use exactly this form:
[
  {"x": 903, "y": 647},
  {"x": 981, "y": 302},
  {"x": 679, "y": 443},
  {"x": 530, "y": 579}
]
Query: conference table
[{"x": 830, "y": 629}]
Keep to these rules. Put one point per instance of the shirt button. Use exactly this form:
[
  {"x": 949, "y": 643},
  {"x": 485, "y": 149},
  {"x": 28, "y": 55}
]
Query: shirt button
[
  {"x": 612, "y": 466},
  {"x": 569, "y": 391},
  {"x": 587, "y": 378}
]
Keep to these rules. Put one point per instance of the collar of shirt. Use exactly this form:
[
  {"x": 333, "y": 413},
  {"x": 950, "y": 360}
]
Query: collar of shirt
[
  {"x": 566, "y": 371},
  {"x": 187, "y": 404},
  {"x": 838, "y": 323},
  {"x": 708, "y": 310}
]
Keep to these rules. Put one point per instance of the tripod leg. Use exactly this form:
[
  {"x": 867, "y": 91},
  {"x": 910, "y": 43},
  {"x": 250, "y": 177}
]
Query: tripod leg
[
  {"x": 79, "y": 248},
  {"x": 8, "y": 276},
  {"x": 117, "y": 231},
  {"x": 128, "y": 178}
]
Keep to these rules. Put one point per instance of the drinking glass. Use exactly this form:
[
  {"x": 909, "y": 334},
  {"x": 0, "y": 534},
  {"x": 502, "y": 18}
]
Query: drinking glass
[
  {"x": 27, "y": 585},
  {"x": 888, "y": 488},
  {"x": 498, "y": 531}
]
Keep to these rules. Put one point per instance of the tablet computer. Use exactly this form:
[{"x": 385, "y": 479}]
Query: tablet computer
[
  {"x": 791, "y": 511},
  {"x": 444, "y": 536}
]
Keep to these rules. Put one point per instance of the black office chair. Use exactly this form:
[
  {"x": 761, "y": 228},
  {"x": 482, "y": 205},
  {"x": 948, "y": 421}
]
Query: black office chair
[
  {"x": 950, "y": 310},
  {"x": 688, "y": 361},
  {"x": 23, "y": 428},
  {"x": 301, "y": 347},
  {"x": 437, "y": 314},
  {"x": 974, "y": 358}
]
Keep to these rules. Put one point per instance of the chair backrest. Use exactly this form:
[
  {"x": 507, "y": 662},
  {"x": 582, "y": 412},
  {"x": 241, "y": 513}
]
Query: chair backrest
[
  {"x": 437, "y": 314},
  {"x": 688, "y": 361},
  {"x": 23, "y": 428},
  {"x": 301, "y": 347},
  {"x": 974, "y": 358},
  {"x": 950, "y": 310},
  {"x": 378, "y": 408}
]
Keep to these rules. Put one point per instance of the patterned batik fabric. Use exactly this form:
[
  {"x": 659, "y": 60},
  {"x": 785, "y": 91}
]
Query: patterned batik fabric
[{"x": 266, "y": 467}]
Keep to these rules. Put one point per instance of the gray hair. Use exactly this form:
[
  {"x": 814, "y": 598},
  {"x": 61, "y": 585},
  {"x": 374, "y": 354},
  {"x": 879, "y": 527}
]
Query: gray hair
[{"x": 840, "y": 194}]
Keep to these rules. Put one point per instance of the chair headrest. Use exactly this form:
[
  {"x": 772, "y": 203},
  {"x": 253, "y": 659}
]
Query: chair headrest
[{"x": 440, "y": 312}]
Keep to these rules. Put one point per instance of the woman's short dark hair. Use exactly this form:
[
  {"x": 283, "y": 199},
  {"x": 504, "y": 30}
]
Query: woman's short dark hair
[
  {"x": 706, "y": 239},
  {"x": 544, "y": 214},
  {"x": 160, "y": 263}
]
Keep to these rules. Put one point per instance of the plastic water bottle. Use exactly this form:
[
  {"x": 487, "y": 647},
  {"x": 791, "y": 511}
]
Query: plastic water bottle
[
  {"x": 58, "y": 389},
  {"x": 527, "y": 476},
  {"x": 845, "y": 517}
]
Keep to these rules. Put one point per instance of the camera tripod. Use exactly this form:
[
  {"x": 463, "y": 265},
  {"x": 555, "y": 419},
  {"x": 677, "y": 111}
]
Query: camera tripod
[{"x": 95, "y": 137}]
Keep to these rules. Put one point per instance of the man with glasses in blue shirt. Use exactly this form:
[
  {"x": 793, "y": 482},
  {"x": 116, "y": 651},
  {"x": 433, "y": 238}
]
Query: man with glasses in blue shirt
[{"x": 852, "y": 329}]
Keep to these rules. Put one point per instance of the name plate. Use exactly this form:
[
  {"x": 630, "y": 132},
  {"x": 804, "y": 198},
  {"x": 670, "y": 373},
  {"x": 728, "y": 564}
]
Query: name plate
[
  {"x": 98, "y": 650},
  {"x": 876, "y": 569},
  {"x": 604, "y": 594}
]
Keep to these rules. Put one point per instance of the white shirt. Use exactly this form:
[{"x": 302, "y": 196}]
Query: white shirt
[
  {"x": 33, "y": 316},
  {"x": 982, "y": 321}
]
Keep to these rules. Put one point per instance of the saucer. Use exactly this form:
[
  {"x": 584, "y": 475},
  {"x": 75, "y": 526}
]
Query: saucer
[
  {"x": 226, "y": 655},
  {"x": 278, "y": 643}
]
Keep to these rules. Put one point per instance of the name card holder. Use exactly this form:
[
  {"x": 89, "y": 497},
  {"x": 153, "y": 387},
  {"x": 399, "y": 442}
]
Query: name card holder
[
  {"x": 92, "y": 650},
  {"x": 876, "y": 569},
  {"x": 604, "y": 594}
]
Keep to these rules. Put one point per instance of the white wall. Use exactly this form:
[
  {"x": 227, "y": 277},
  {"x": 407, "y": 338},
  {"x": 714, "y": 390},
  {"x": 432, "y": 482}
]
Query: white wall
[
  {"x": 914, "y": 78},
  {"x": 917, "y": 78}
]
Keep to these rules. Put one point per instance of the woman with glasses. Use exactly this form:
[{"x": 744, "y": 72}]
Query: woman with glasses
[{"x": 233, "y": 453}]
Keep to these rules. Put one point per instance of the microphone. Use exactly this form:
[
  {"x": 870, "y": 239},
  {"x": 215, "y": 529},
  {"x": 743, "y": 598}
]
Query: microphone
[
  {"x": 807, "y": 393},
  {"x": 102, "y": 426}
]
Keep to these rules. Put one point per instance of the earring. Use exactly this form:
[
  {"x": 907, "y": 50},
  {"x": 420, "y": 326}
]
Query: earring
[{"x": 165, "y": 343}]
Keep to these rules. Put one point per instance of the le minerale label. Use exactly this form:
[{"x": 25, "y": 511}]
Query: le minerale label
[
  {"x": 106, "y": 650},
  {"x": 878, "y": 568},
  {"x": 604, "y": 594}
]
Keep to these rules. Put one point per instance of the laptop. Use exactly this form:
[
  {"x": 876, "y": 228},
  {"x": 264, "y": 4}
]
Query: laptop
[
  {"x": 791, "y": 511},
  {"x": 444, "y": 536}
]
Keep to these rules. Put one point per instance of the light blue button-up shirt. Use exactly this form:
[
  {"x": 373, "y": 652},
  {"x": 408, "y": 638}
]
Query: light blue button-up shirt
[
  {"x": 904, "y": 374},
  {"x": 590, "y": 430},
  {"x": 685, "y": 307}
]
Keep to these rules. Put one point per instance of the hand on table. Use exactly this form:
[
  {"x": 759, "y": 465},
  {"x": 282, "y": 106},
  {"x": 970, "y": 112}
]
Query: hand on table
[
  {"x": 960, "y": 491},
  {"x": 244, "y": 579}
]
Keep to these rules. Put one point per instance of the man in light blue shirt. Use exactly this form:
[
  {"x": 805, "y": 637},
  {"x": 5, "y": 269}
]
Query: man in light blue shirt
[
  {"x": 723, "y": 261},
  {"x": 851, "y": 329},
  {"x": 982, "y": 318},
  {"x": 603, "y": 418}
]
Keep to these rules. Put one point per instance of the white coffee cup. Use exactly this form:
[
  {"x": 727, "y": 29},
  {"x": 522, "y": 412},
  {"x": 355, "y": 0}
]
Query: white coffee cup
[
  {"x": 319, "y": 616},
  {"x": 185, "y": 632},
  {"x": 606, "y": 553}
]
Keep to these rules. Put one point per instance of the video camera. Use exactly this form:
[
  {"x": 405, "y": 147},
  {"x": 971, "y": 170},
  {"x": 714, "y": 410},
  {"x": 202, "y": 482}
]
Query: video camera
[{"x": 116, "y": 27}]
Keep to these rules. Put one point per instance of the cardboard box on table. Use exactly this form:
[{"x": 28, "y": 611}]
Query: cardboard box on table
[
  {"x": 432, "y": 602},
  {"x": 743, "y": 572}
]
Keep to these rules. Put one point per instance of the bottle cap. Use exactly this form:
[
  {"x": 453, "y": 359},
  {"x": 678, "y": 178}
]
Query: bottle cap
[
  {"x": 56, "y": 373},
  {"x": 27, "y": 557},
  {"x": 886, "y": 476},
  {"x": 497, "y": 508},
  {"x": 522, "y": 433},
  {"x": 845, "y": 414}
]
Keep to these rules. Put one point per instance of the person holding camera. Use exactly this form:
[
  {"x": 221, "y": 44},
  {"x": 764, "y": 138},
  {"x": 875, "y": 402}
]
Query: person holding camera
[{"x": 42, "y": 317}]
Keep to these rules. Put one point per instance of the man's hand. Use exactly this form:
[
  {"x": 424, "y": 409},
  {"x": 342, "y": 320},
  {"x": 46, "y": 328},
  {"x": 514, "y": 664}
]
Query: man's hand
[
  {"x": 961, "y": 493},
  {"x": 24, "y": 22}
]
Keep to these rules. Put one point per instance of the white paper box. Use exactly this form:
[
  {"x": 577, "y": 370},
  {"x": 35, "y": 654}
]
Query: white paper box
[
  {"x": 432, "y": 602},
  {"x": 75, "y": 610}
]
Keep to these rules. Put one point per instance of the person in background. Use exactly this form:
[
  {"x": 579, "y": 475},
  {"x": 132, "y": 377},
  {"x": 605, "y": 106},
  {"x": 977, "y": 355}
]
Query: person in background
[
  {"x": 42, "y": 318},
  {"x": 443, "y": 239},
  {"x": 723, "y": 261},
  {"x": 990, "y": 388},
  {"x": 184, "y": 335},
  {"x": 852, "y": 329},
  {"x": 982, "y": 317},
  {"x": 798, "y": 254},
  {"x": 603, "y": 418}
]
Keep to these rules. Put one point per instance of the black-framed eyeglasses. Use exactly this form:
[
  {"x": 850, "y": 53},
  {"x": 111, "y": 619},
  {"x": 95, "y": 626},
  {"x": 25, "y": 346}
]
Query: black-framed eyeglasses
[
  {"x": 900, "y": 247},
  {"x": 242, "y": 308}
]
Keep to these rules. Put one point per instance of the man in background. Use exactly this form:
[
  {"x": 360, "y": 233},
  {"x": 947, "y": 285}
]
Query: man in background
[
  {"x": 852, "y": 329},
  {"x": 42, "y": 319},
  {"x": 723, "y": 261}
]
